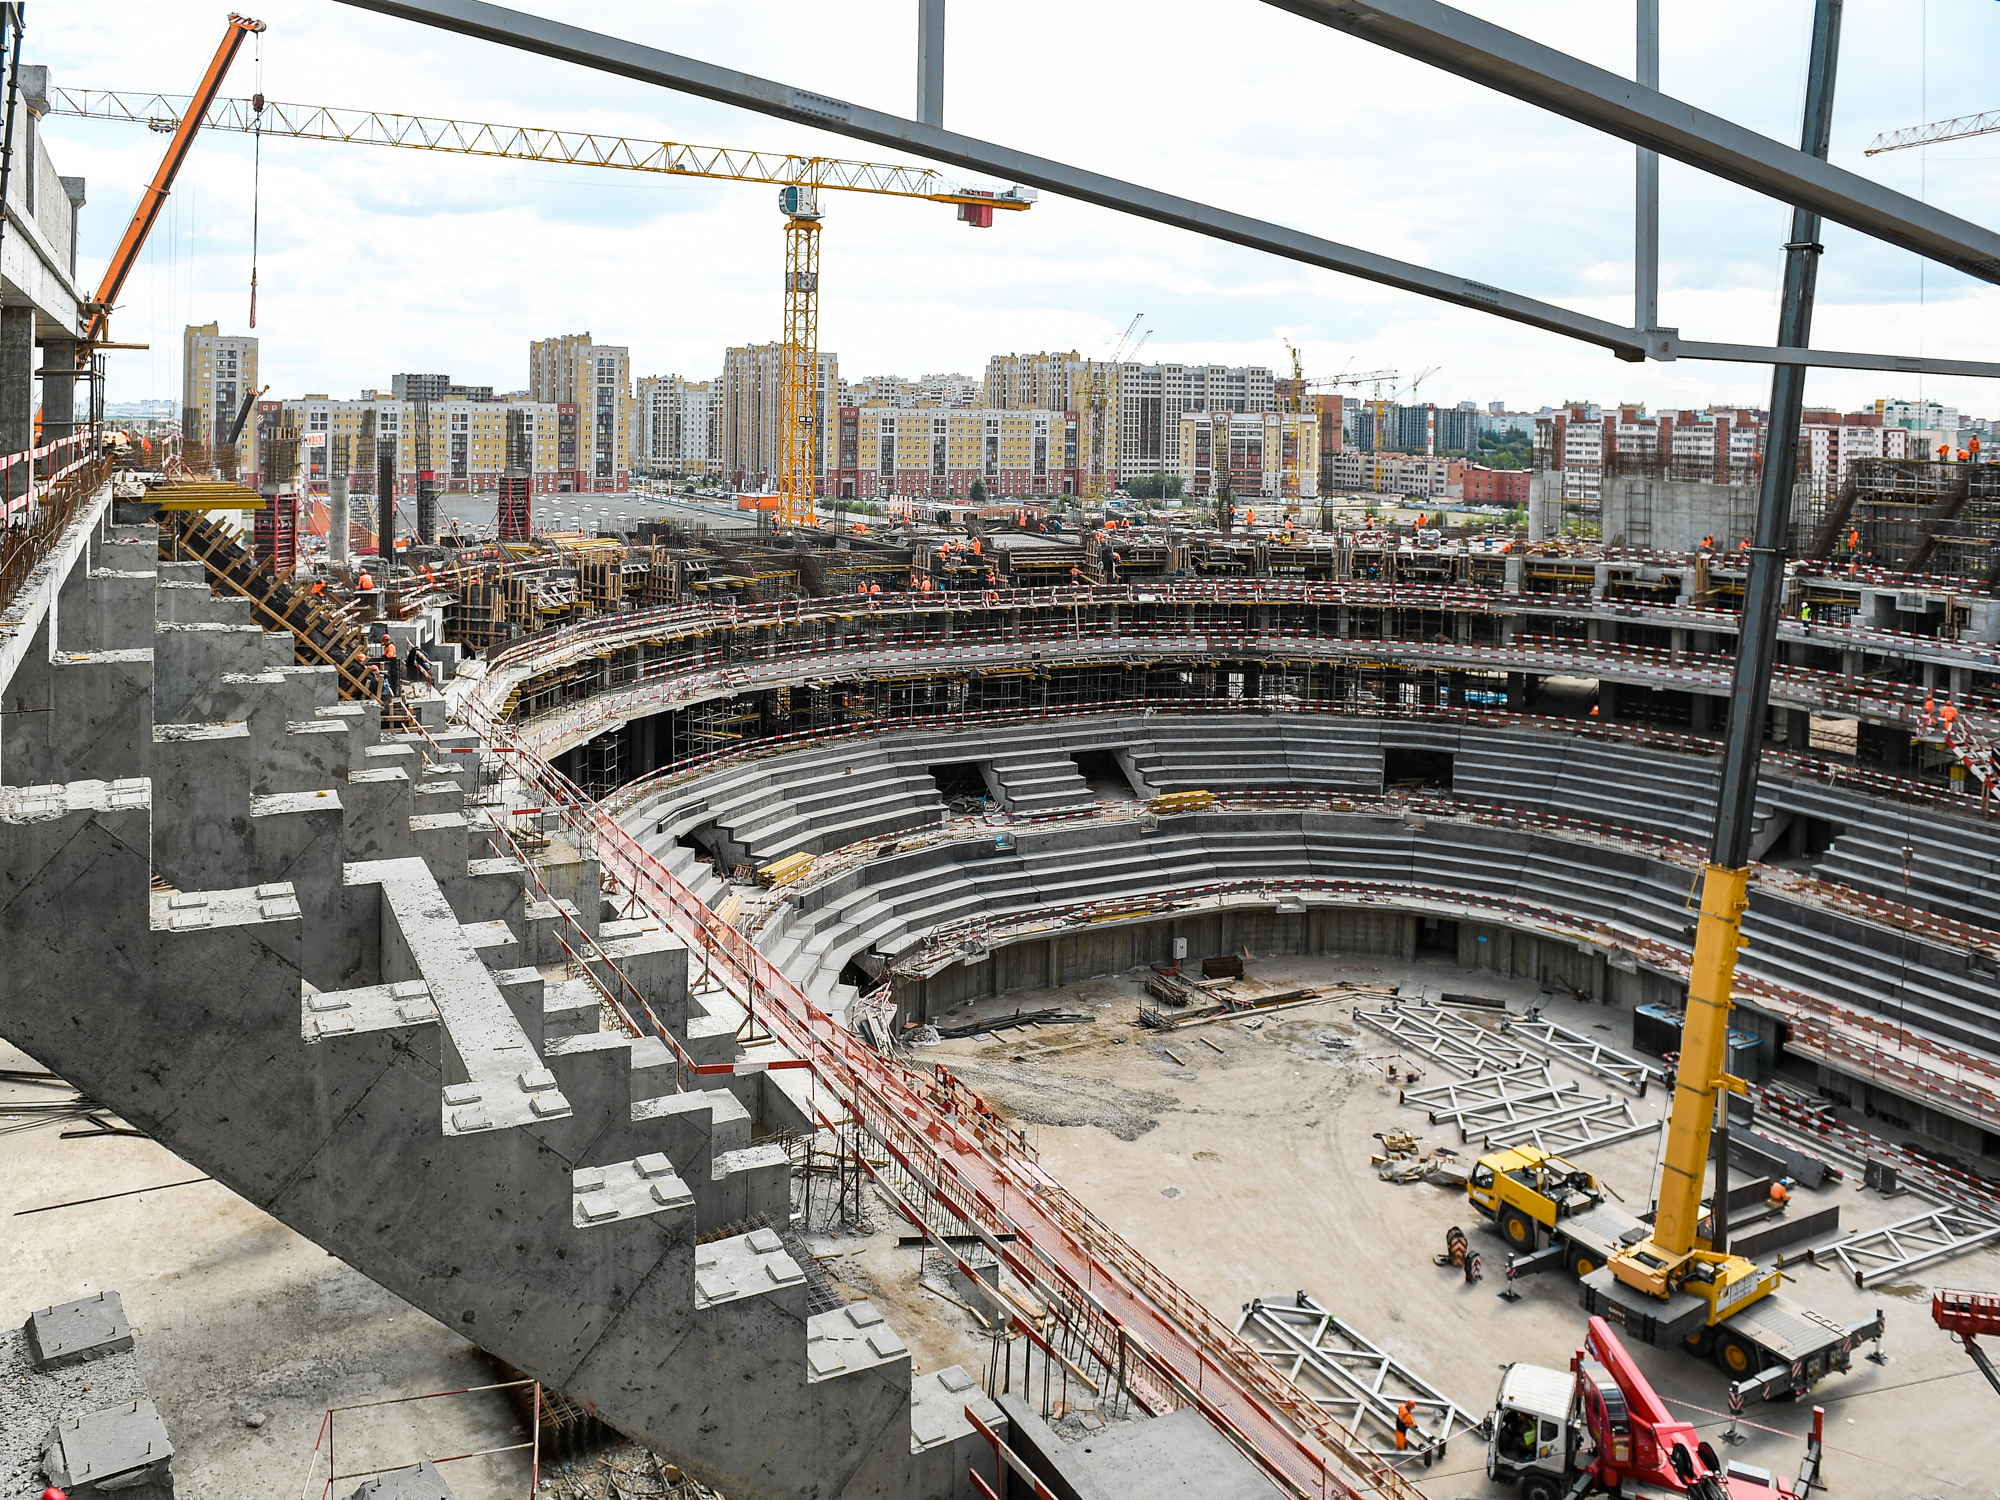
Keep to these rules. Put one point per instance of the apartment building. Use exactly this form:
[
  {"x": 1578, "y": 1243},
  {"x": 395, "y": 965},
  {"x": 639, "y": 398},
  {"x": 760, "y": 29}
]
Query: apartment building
[
  {"x": 1151, "y": 400},
  {"x": 1420, "y": 475},
  {"x": 465, "y": 452},
  {"x": 596, "y": 379},
  {"x": 887, "y": 452},
  {"x": 1264, "y": 455},
  {"x": 217, "y": 371},
  {"x": 674, "y": 427},
  {"x": 752, "y": 410}
]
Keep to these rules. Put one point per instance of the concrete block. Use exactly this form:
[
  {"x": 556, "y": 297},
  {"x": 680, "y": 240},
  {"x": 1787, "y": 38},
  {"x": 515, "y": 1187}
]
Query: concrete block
[
  {"x": 74, "y": 1333},
  {"x": 118, "y": 614},
  {"x": 100, "y": 726},
  {"x": 119, "y": 1450},
  {"x": 187, "y": 658},
  {"x": 202, "y": 779},
  {"x": 495, "y": 890},
  {"x": 378, "y": 815},
  {"x": 570, "y": 1007},
  {"x": 421, "y": 1481}
]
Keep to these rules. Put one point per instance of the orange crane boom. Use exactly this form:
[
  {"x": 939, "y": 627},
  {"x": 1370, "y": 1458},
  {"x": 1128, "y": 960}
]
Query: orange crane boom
[{"x": 155, "y": 195}]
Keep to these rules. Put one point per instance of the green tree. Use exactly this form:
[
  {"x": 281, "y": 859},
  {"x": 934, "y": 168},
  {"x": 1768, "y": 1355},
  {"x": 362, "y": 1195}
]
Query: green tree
[{"x": 978, "y": 495}]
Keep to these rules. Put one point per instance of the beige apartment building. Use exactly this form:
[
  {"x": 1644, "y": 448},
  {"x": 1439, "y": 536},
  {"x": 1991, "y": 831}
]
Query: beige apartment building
[{"x": 217, "y": 372}]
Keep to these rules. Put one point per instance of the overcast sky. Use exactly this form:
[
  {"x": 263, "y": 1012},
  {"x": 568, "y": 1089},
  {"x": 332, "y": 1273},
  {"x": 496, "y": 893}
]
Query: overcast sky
[{"x": 373, "y": 260}]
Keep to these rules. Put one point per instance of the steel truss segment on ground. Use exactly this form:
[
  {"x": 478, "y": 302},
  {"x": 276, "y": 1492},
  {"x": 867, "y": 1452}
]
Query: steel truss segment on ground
[
  {"x": 1583, "y": 1053},
  {"x": 1475, "y": 49},
  {"x": 1348, "y": 1376},
  {"x": 1525, "y": 1091},
  {"x": 1579, "y": 1131},
  {"x": 590, "y": 49},
  {"x": 1884, "y": 1254},
  {"x": 1446, "y": 1037}
]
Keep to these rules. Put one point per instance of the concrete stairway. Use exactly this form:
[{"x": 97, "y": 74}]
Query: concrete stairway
[{"x": 277, "y": 942}]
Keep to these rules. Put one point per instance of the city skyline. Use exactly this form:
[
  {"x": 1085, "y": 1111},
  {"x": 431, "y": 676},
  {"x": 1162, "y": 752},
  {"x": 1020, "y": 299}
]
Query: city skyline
[{"x": 1416, "y": 164}]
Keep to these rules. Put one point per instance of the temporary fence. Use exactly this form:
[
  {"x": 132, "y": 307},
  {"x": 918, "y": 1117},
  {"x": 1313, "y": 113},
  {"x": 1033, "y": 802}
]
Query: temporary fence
[{"x": 1116, "y": 1303}]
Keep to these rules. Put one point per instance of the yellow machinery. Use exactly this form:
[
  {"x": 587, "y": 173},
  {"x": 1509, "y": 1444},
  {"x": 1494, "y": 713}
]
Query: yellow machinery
[
  {"x": 801, "y": 178},
  {"x": 1670, "y": 1259}
]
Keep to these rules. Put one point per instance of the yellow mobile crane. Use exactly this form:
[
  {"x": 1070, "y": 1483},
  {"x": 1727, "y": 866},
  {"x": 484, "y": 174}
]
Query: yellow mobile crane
[
  {"x": 800, "y": 179},
  {"x": 1672, "y": 1282}
]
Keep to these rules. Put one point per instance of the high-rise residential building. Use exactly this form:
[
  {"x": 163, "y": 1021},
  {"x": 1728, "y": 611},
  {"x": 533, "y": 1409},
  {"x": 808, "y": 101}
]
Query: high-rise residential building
[
  {"x": 671, "y": 430},
  {"x": 217, "y": 371},
  {"x": 937, "y": 452},
  {"x": 419, "y": 387},
  {"x": 1918, "y": 415},
  {"x": 1037, "y": 382},
  {"x": 573, "y": 370},
  {"x": 467, "y": 442},
  {"x": 950, "y": 390},
  {"x": 883, "y": 390},
  {"x": 752, "y": 409},
  {"x": 1151, "y": 400},
  {"x": 1263, "y": 454}
]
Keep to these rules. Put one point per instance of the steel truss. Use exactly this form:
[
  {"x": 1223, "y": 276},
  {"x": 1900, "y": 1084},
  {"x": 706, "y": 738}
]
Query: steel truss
[
  {"x": 1887, "y": 1253},
  {"x": 1447, "y": 1037},
  {"x": 1582, "y": 1053},
  {"x": 1348, "y": 1377},
  {"x": 1572, "y": 1132},
  {"x": 1493, "y": 1096}
]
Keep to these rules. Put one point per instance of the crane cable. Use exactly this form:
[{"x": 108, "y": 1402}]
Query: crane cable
[{"x": 256, "y": 166}]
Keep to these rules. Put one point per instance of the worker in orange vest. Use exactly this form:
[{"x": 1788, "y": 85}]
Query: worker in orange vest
[
  {"x": 364, "y": 582},
  {"x": 391, "y": 666},
  {"x": 1406, "y": 1423},
  {"x": 1949, "y": 716},
  {"x": 1930, "y": 711}
]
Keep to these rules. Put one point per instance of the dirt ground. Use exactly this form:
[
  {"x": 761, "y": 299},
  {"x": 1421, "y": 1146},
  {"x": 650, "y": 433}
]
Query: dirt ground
[
  {"x": 239, "y": 1319},
  {"x": 1242, "y": 1170}
]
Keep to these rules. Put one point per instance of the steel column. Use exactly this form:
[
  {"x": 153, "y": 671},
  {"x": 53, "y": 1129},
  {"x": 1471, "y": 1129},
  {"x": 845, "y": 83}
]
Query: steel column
[
  {"x": 930, "y": 63},
  {"x": 1756, "y": 650},
  {"x": 1646, "y": 210}
]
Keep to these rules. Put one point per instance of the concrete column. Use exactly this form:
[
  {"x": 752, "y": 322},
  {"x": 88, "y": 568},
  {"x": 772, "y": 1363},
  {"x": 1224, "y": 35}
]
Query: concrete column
[
  {"x": 58, "y": 394},
  {"x": 1607, "y": 699},
  {"x": 1700, "y": 709},
  {"x": 17, "y": 390},
  {"x": 1798, "y": 731},
  {"x": 1680, "y": 641},
  {"x": 1961, "y": 681},
  {"x": 337, "y": 520},
  {"x": 1850, "y": 663}
]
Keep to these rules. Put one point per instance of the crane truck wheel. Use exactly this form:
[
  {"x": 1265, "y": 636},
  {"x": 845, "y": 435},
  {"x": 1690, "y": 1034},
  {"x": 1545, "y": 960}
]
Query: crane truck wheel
[
  {"x": 1540, "y": 1487},
  {"x": 1581, "y": 1262},
  {"x": 1734, "y": 1356},
  {"x": 1517, "y": 1229}
]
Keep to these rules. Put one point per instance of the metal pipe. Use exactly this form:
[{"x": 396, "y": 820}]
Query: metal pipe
[
  {"x": 1646, "y": 210},
  {"x": 1756, "y": 652}
]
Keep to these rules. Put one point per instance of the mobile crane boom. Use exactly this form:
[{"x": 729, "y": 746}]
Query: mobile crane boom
[{"x": 154, "y": 198}]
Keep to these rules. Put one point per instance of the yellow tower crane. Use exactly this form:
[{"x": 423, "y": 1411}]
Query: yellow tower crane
[{"x": 801, "y": 178}]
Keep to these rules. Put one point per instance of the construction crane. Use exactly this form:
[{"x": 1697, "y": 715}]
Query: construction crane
[
  {"x": 185, "y": 126},
  {"x": 1935, "y": 132},
  {"x": 801, "y": 178},
  {"x": 1097, "y": 398},
  {"x": 1304, "y": 384}
]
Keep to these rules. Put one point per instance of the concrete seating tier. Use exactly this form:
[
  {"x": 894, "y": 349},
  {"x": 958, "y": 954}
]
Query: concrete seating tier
[
  {"x": 307, "y": 972},
  {"x": 1623, "y": 788}
]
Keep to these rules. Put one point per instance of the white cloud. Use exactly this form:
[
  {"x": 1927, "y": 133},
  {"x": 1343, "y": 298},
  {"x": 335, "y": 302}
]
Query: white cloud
[{"x": 373, "y": 261}]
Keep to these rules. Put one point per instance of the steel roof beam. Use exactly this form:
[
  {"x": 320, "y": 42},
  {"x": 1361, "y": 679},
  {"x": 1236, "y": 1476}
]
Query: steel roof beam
[
  {"x": 591, "y": 49},
  {"x": 1511, "y": 64}
]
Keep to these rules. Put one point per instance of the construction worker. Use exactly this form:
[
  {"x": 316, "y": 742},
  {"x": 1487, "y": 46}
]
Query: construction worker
[
  {"x": 1930, "y": 712},
  {"x": 392, "y": 668},
  {"x": 1406, "y": 1423},
  {"x": 1948, "y": 717},
  {"x": 1854, "y": 540},
  {"x": 421, "y": 669},
  {"x": 1708, "y": 542},
  {"x": 1805, "y": 614},
  {"x": 364, "y": 582}
]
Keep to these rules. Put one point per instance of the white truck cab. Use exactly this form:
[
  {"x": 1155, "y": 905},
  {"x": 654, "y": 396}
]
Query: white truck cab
[{"x": 1531, "y": 1441}]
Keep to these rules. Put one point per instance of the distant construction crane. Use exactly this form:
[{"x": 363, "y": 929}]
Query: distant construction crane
[
  {"x": 1097, "y": 398},
  {"x": 802, "y": 179},
  {"x": 1935, "y": 132}
]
